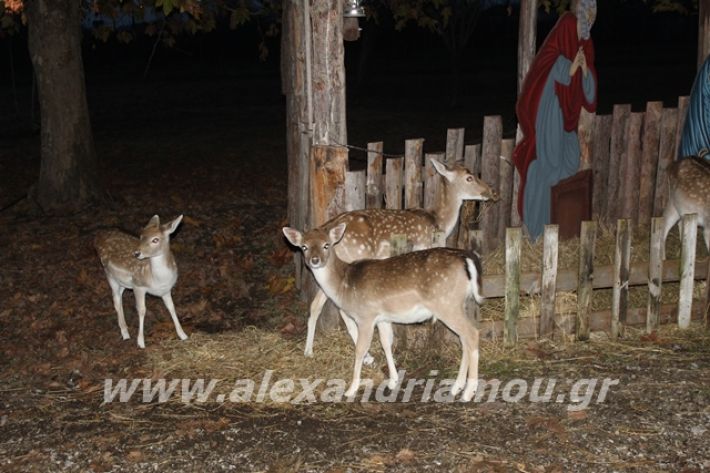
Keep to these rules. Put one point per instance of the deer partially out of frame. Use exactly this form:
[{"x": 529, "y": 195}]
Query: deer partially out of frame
[
  {"x": 405, "y": 289},
  {"x": 689, "y": 183},
  {"x": 369, "y": 231},
  {"x": 145, "y": 265}
]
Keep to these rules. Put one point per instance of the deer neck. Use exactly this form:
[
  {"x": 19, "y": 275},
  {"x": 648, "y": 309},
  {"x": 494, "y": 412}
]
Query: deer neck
[
  {"x": 332, "y": 278},
  {"x": 163, "y": 267},
  {"x": 446, "y": 210}
]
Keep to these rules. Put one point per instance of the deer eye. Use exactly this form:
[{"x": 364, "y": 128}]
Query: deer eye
[
  {"x": 469, "y": 179},
  {"x": 326, "y": 246},
  {"x": 155, "y": 240},
  {"x": 304, "y": 248}
]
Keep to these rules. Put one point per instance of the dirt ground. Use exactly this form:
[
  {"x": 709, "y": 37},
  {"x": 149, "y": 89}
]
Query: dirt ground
[{"x": 224, "y": 168}]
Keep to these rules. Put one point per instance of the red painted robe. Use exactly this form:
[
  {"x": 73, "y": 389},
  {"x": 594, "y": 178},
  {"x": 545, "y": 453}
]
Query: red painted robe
[{"x": 562, "y": 40}]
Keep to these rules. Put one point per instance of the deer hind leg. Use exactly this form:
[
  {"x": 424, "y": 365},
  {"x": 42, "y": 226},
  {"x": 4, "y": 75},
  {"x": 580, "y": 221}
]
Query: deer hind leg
[
  {"x": 459, "y": 323},
  {"x": 316, "y": 307},
  {"x": 140, "y": 308},
  {"x": 168, "y": 301},
  {"x": 351, "y": 326},
  {"x": 670, "y": 218},
  {"x": 386, "y": 338},
  {"x": 117, "y": 292},
  {"x": 366, "y": 330}
]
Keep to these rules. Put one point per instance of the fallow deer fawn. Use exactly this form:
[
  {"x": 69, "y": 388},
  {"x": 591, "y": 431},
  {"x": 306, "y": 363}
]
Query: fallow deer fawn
[
  {"x": 689, "y": 182},
  {"x": 369, "y": 231},
  {"x": 406, "y": 289},
  {"x": 145, "y": 265}
]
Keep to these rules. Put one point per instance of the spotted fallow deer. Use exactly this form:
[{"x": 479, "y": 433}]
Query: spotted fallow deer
[
  {"x": 405, "y": 289},
  {"x": 689, "y": 192},
  {"x": 369, "y": 231},
  {"x": 143, "y": 264}
]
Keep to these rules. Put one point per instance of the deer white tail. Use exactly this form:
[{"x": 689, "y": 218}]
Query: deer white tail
[{"x": 474, "y": 276}]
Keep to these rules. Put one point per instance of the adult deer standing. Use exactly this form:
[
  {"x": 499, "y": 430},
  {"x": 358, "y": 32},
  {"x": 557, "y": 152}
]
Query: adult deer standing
[
  {"x": 689, "y": 192},
  {"x": 369, "y": 231},
  {"x": 405, "y": 289},
  {"x": 143, "y": 264}
]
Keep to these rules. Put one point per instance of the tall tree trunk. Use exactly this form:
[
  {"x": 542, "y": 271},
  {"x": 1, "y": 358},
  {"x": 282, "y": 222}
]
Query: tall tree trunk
[
  {"x": 68, "y": 177},
  {"x": 315, "y": 109}
]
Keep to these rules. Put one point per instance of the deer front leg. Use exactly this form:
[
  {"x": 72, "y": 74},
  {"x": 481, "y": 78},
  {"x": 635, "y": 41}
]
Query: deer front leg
[
  {"x": 316, "y": 308},
  {"x": 140, "y": 308},
  {"x": 386, "y": 338},
  {"x": 117, "y": 292},
  {"x": 168, "y": 301},
  {"x": 351, "y": 326},
  {"x": 363, "y": 342}
]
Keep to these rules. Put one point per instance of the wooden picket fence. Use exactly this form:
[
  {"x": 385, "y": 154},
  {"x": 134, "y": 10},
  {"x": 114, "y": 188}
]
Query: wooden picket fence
[{"x": 629, "y": 152}]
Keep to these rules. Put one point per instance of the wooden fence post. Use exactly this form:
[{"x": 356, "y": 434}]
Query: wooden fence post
[
  {"x": 649, "y": 161},
  {"x": 586, "y": 271},
  {"x": 655, "y": 276},
  {"x": 454, "y": 145},
  {"x": 505, "y": 186},
  {"x": 413, "y": 187},
  {"x": 601, "y": 137},
  {"x": 549, "y": 280},
  {"x": 629, "y": 186},
  {"x": 355, "y": 190},
  {"x": 374, "y": 175},
  {"x": 688, "y": 232},
  {"x": 683, "y": 103},
  {"x": 490, "y": 156},
  {"x": 666, "y": 156},
  {"x": 432, "y": 180},
  {"x": 620, "y": 292},
  {"x": 394, "y": 171},
  {"x": 513, "y": 239},
  {"x": 619, "y": 130}
]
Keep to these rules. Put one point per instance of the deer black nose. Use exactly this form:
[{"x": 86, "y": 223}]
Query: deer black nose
[
  {"x": 315, "y": 261},
  {"x": 137, "y": 254}
]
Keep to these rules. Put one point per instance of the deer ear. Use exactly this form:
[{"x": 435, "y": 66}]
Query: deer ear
[
  {"x": 169, "y": 228},
  {"x": 293, "y": 236},
  {"x": 336, "y": 233},
  {"x": 441, "y": 169},
  {"x": 153, "y": 222}
]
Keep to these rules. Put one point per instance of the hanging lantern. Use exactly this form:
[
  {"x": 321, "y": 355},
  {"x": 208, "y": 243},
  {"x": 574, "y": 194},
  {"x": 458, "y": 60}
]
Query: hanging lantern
[{"x": 353, "y": 9}]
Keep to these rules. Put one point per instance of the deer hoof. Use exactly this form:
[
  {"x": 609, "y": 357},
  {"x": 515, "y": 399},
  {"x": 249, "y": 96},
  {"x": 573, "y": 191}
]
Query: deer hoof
[
  {"x": 183, "y": 336},
  {"x": 392, "y": 383}
]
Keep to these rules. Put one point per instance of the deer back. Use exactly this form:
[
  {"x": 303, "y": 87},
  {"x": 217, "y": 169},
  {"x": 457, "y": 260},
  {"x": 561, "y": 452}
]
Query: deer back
[{"x": 689, "y": 180}]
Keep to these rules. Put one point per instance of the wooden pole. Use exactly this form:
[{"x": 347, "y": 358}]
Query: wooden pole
[
  {"x": 666, "y": 156},
  {"x": 620, "y": 118},
  {"x": 355, "y": 187},
  {"x": 505, "y": 186},
  {"x": 527, "y": 38},
  {"x": 601, "y": 137},
  {"x": 394, "y": 173},
  {"x": 513, "y": 239},
  {"x": 585, "y": 281},
  {"x": 413, "y": 186},
  {"x": 655, "y": 276},
  {"x": 374, "y": 175},
  {"x": 549, "y": 280},
  {"x": 629, "y": 185},
  {"x": 649, "y": 161},
  {"x": 490, "y": 156},
  {"x": 688, "y": 231},
  {"x": 620, "y": 292}
]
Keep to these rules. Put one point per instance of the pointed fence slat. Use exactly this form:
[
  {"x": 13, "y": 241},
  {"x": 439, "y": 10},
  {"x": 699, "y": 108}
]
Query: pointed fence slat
[
  {"x": 374, "y": 175},
  {"x": 549, "y": 280},
  {"x": 689, "y": 231},
  {"x": 666, "y": 156},
  {"x": 587, "y": 242},
  {"x": 413, "y": 186},
  {"x": 393, "y": 182},
  {"x": 649, "y": 161},
  {"x": 619, "y": 129},
  {"x": 655, "y": 276},
  {"x": 513, "y": 239},
  {"x": 490, "y": 156},
  {"x": 601, "y": 136},
  {"x": 355, "y": 190},
  {"x": 620, "y": 292}
]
